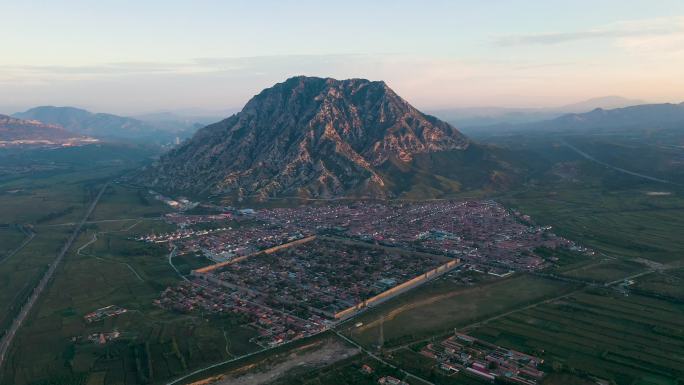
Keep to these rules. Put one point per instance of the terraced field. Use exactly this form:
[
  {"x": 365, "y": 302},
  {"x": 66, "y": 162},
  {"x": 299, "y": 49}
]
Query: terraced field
[
  {"x": 605, "y": 272},
  {"x": 667, "y": 285},
  {"x": 441, "y": 305},
  {"x": 626, "y": 339}
]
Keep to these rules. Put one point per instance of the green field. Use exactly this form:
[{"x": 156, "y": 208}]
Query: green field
[
  {"x": 667, "y": 285},
  {"x": 343, "y": 373},
  {"x": 33, "y": 202},
  {"x": 635, "y": 339},
  {"x": 626, "y": 339},
  {"x": 624, "y": 223},
  {"x": 605, "y": 271},
  {"x": 10, "y": 238},
  {"x": 442, "y": 305},
  {"x": 110, "y": 270}
]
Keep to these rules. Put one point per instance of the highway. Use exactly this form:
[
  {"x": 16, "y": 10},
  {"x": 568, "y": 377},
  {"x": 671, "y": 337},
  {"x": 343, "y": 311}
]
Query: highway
[
  {"x": 38, "y": 290},
  {"x": 622, "y": 170}
]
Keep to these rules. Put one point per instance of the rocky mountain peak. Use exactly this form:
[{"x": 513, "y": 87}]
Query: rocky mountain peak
[{"x": 306, "y": 136}]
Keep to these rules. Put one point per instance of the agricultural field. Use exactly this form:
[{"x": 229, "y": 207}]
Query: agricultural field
[
  {"x": 105, "y": 267},
  {"x": 121, "y": 202},
  {"x": 20, "y": 273},
  {"x": 10, "y": 238},
  {"x": 620, "y": 222},
  {"x": 605, "y": 272},
  {"x": 564, "y": 260},
  {"x": 665, "y": 284},
  {"x": 624, "y": 339},
  {"x": 344, "y": 372},
  {"x": 35, "y": 202},
  {"x": 440, "y": 306}
]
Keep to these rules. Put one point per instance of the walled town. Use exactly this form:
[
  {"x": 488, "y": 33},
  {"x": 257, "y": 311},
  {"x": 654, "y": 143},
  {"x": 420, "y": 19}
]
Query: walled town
[{"x": 292, "y": 272}]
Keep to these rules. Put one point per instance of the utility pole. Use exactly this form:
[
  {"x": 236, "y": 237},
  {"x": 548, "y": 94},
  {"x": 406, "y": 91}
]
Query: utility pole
[{"x": 381, "y": 340}]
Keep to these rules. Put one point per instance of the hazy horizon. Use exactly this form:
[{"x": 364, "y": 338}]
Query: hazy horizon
[{"x": 131, "y": 58}]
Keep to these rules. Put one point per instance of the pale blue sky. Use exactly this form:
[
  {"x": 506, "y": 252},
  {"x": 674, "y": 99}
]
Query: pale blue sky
[{"x": 138, "y": 56}]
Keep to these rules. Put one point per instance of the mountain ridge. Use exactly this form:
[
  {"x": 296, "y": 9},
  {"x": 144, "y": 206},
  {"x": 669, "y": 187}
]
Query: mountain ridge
[
  {"x": 308, "y": 137},
  {"x": 472, "y": 117},
  {"x": 102, "y": 125},
  {"x": 662, "y": 116},
  {"x": 21, "y": 131}
]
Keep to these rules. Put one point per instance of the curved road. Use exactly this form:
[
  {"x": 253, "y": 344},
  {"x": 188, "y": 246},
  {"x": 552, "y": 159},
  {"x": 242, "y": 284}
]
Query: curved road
[
  {"x": 619, "y": 169},
  {"x": 38, "y": 290}
]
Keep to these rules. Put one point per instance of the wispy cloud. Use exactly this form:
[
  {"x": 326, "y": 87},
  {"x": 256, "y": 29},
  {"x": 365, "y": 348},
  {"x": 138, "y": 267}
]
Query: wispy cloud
[
  {"x": 205, "y": 65},
  {"x": 628, "y": 29}
]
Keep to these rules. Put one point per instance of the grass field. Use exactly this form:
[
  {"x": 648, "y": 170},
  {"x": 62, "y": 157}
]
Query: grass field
[
  {"x": 10, "y": 238},
  {"x": 442, "y": 305},
  {"x": 38, "y": 201},
  {"x": 625, "y": 339},
  {"x": 669, "y": 285},
  {"x": 605, "y": 271},
  {"x": 156, "y": 344},
  {"x": 625, "y": 223},
  {"x": 343, "y": 373},
  {"x": 630, "y": 340}
]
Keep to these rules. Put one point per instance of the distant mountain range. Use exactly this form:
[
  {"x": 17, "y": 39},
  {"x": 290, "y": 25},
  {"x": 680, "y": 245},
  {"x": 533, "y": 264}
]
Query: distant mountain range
[
  {"x": 647, "y": 115},
  {"x": 109, "y": 126},
  {"x": 486, "y": 116},
  {"x": 15, "y": 131},
  {"x": 314, "y": 137},
  {"x": 642, "y": 117}
]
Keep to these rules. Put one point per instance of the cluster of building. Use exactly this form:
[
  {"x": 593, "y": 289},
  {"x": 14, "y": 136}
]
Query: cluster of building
[
  {"x": 389, "y": 380},
  {"x": 181, "y": 204},
  {"x": 306, "y": 286},
  {"x": 102, "y": 313},
  {"x": 101, "y": 338},
  {"x": 295, "y": 271},
  {"x": 483, "y": 231},
  {"x": 274, "y": 326},
  {"x": 324, "y": 276},
  {"x": 469, "y": 355},
  {"x": 183, "y": 220},
  {"x": 180, "y": 235},
  {"x": 384, "y": 380}
]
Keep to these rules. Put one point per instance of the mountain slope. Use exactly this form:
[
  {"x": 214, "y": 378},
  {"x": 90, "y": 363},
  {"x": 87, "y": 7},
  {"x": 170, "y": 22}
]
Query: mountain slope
[
  {"x": 646, "y": 114},
  {"x": 469, "y": 118},
  {"x": 101, "y": 125},
  {"x": 309, "y": 137},
  {"x": 28, "y": 131},
  {"x": 604, "y": 102},
  {"x": 628, "y": 120}
]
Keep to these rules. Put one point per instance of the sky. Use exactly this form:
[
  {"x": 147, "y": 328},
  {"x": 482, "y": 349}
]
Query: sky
[{"x": 133, "y": 57}]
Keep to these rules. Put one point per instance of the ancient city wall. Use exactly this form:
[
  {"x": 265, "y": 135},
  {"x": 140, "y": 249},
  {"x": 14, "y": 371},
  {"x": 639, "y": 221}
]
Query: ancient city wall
[
  {"x": 401, "y": 288},
  {"x": 271, "y": 250}
]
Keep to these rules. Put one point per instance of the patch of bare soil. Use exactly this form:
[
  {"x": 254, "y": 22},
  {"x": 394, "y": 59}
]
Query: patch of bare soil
[{"x": 327, "y": 353}]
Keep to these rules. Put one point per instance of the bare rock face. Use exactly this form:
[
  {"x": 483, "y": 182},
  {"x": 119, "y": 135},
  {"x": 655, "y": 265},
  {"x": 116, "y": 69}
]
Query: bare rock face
[
  {"x": 13, "y": 129},
  {"x": 306, "y": 137}
]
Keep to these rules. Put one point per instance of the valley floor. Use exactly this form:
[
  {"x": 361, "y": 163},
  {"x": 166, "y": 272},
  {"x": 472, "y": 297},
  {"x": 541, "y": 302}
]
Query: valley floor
[{"x": 615, "y": 316}]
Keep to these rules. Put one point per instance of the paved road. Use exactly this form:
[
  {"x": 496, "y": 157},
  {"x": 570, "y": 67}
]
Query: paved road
[
  {"x": 94, "y": 239},
  {"x": 38, "y": 290},
  {"x": 106, "y": 221},
  {"x": 198, "y": 371},
  {"x": 171, "y": 255},
  {"x": 29, "y": 237},
  {"x": 619, "y": 169},
  {"x": 377, "y": 358}
]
